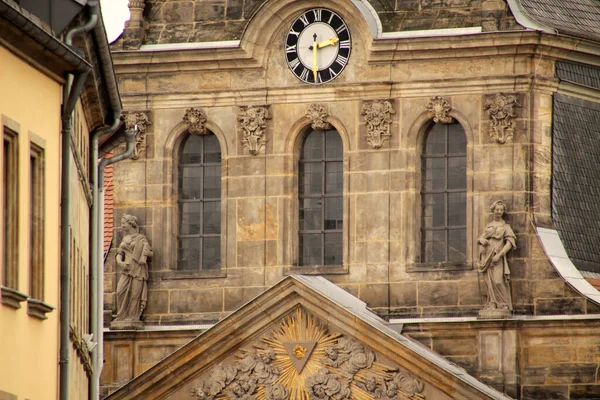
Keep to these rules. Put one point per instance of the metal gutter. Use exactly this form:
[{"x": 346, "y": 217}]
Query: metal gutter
[
  {"x": 21, "y": 20},
  {"x": 525, "y": 20}
]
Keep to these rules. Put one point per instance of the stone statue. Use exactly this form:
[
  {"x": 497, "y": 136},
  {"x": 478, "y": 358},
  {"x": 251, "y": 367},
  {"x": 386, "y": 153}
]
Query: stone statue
[
  {"x": 132, "y": 289},
  {"x": 497, "y": 239}
]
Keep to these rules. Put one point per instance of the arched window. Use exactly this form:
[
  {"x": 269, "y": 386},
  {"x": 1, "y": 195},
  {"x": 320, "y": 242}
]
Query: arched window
[
  {"x": 444, "y": 195},
  {"x": 199, "y": 198},
  {"x": 321, "y": 199}
]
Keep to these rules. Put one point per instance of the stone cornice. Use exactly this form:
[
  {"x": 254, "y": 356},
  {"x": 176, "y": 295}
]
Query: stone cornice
[{"x": 380, "y": 51}]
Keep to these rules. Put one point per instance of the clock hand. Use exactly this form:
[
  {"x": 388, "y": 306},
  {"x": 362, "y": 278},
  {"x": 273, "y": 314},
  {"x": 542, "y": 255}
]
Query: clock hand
[
  {"x": 330, "y": 42},
  {"x": 315, "y": 67}
]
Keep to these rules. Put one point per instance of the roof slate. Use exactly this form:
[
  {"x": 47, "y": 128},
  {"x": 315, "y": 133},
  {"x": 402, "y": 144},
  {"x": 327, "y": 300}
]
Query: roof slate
[
  {"x": 580, "y": 18},
  {"x": 576, "y": 179}
]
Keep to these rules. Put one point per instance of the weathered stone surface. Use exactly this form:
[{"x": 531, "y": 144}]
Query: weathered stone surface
[
  {"x": 437, "y": 294},
  {"x": 545, "y": 393},
  {"x": 195, "y": 301}
]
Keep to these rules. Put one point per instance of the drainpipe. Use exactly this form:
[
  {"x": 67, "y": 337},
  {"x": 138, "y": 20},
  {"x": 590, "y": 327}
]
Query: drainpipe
[
  {"x": 71, "y": 92},
  {"x": 96, "y": 227}
]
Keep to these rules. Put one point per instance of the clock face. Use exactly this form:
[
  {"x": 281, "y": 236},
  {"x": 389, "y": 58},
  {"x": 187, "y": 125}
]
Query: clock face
[{"x": 318, "y": 46}]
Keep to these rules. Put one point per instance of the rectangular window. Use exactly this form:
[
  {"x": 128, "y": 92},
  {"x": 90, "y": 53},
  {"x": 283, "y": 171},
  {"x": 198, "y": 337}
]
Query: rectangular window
[
  {"x": 36, "y": 222},
  {"x": 10, "y": 204}
]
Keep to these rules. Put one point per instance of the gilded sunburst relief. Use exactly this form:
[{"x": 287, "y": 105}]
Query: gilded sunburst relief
[{"x": 302, "y": 360}]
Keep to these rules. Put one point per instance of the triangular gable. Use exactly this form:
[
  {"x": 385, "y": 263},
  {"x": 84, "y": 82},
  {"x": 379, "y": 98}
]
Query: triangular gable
[{"x": 304, "y": 338}]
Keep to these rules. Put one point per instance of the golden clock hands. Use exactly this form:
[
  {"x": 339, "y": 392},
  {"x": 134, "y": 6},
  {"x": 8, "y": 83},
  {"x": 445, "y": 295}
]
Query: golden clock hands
[
  {"x": 315, "y": 67},
  {"x": 330, "y": 42}
]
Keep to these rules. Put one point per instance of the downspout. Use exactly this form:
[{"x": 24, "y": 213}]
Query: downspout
[
  {"x": 96, "y": 232},
  {"x": 71, "y": 93}
]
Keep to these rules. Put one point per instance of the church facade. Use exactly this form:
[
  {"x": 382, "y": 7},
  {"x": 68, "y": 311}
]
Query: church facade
[{"x": 417, "y": 154}]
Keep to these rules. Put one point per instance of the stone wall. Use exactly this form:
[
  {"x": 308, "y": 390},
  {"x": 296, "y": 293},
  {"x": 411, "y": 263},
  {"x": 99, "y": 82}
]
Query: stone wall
[
  {"x": 529, "y": 360},
  {"x": 193, "y": 21}
]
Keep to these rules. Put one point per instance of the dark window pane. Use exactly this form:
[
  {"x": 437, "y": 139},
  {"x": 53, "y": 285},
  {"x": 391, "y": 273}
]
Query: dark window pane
[
  {"x": 192, "y": 150},
  {"x": 434, "y": 210},
  {"x": 457, "y": 140},
  {"x": 310, "y": 249},
  {"x": 333, "y": 213},
  {"x": 311, "y": 214},
  {"x": 334, "y": 177},
  {"x": 333, "y": 248},
  {"x": 457, "y": 173},
  {"x": 188, "y": 256},
  {"x": 457, "y": 248},
  {"x": 313, "y": 146},
  {"x": 435, "y": 246},
  {"x": 212, "y": 149},
  {"x": 435, "y": 174},
  {"x": 435, "y": 142},
  {"x": 311, "y": 178},
  {"x": 211, "y": 255},
  {"x": 212, "y": 217},
  {"x": 333, "y": 145},
  {"x": 457, "y": 209},
  {"x": 190, "y": 181},
  {"x": 189, "y": 218},
  {"x": 212, "y": 182}
]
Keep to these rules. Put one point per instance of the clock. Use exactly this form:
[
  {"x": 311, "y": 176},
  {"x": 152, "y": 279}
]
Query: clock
[{"x": 318, "y": 46}]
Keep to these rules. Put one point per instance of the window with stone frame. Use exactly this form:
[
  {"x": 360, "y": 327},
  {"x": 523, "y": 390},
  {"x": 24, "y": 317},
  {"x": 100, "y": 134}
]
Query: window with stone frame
[
  {"x": 36, "y": 222},
  {"x": 320, "y": 195},
  {"x": 444, "y": 195},
  {"x": 199, "y": 203},
  {"x": 10, "y": 207}
]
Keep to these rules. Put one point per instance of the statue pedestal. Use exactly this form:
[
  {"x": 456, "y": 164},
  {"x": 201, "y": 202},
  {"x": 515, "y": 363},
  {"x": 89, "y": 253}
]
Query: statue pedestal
[
  {"x": 494, "y": 314},
  {"x": 126, "y": 325}
]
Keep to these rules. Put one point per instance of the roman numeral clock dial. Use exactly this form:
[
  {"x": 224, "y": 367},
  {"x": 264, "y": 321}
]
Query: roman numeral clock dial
[{"x": 318, "y": 46}]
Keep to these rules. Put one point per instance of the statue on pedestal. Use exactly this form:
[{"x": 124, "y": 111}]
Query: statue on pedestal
[
  {"x": 132, "y": 262},
  {"x": 496, "y": 241}
]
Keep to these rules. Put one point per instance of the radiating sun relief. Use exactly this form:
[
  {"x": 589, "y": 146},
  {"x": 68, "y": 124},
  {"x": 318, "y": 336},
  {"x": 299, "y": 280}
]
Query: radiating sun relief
[{"x": 303, "y": 361}]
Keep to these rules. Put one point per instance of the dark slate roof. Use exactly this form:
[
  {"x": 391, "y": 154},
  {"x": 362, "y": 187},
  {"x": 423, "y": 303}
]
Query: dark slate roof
[
  {"x": 578, "y": 74},
  {"x": 576, "y": 179},
  {"x": 580, "y": 18}
]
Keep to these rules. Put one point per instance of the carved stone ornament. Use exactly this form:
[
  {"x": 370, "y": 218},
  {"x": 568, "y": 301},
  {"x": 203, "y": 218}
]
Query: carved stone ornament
[
  {"x": 141, "y": 120},
  {"x": 378, "y": 118},
  {"x": 318, "y": 117},
  {"x": 501, "y": 109},
  {"x": 253, "y": 124},
  {"x": 439, "y": 109},
  {"x": 333, "y": 367},
  {"x": 196, "y": 121}
]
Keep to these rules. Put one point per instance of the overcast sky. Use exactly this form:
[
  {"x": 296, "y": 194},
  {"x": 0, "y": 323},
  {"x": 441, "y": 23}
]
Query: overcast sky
[{"x": 114, "y": 13}]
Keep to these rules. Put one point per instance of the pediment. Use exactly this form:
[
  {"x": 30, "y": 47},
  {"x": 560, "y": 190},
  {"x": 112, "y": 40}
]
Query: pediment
[{"x": 304, "y": 338}]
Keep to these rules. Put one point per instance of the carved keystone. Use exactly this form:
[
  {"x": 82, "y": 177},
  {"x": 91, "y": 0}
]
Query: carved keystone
[
  {"x": 439, "y": 108},
  {"x": 318, "y": 117},
  {"x": 195, "y": 118}
]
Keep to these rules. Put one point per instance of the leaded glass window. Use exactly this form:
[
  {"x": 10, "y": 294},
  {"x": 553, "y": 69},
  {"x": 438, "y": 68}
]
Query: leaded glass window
[
  {"x": 199, "y": 190},
  {"x": 444, "y": 195},
  {"x": 321, "y": 199}
]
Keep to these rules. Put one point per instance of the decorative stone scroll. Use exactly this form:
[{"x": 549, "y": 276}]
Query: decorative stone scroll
[
  {"x": 253, "y": 124},
  {"x": 331, "y": 367},
  {"x": 501, "y": 109},
  {"x": 439, "y": 108},
  {"x": 318, "y": 117},
  {"x": 141, "y": 120},
  {"x": 378, "y": 118},
  {"x": 195, "y": 118}
]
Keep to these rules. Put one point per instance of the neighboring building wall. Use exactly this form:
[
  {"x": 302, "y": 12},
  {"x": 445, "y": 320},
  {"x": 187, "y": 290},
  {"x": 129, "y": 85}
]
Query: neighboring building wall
[{"x": 30, "y": 102}]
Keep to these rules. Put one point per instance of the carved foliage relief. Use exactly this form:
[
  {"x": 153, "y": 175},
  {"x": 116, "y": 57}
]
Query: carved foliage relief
[
  {"x": 439, "y": 109},
  {"x": 303, "y": 360},
  {"x": 141, "y": 120},
  {"x": 378, "y": 118},
  {"x": 195, "y": 118},
  {"x": 318, "y": 117},
  {"x": 253, "y": 125},
  {"x": 501, "y": 109}
]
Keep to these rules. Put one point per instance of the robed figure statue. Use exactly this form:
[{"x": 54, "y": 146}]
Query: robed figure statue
[
  {"x": 497, "y": 239},
  {"x": 132, "y": 289}
]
